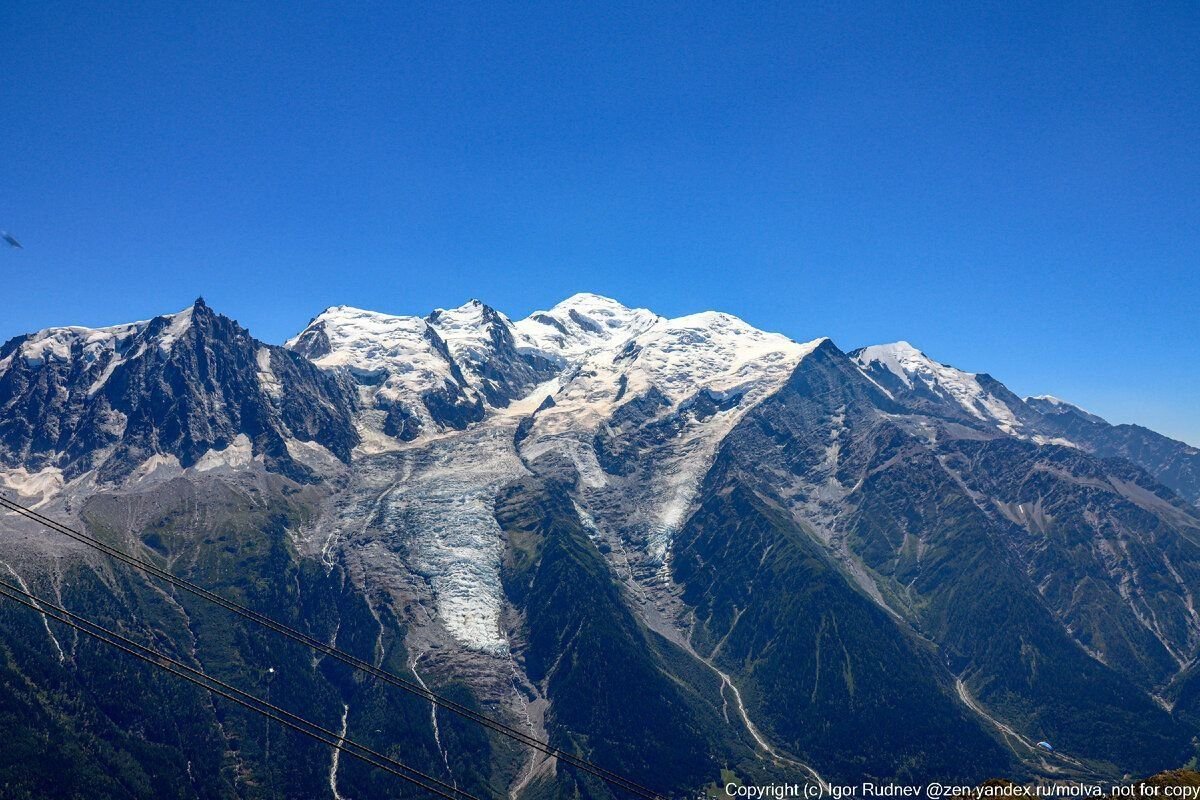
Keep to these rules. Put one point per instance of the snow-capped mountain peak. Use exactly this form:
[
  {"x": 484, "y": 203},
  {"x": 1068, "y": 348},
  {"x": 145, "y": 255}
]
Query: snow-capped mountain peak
[
  {"x": 899, "y": 358},
  {"x": 711, "y": 349},
  {"x": 408, "y": 381},
  {"x": 675, "y": 359},
  {"x": 492, "y": 354},
  {"x": 1050, "y": 405},
  {"x": 471, "y": 315},
  {"x": 57, "y": 344},
  {"x": 473, "y": 328},
  {"x": 371, "y": 343},
  {"x": 110, "y": 344},
  {"x": 582, "y": 324},
  {"x": 899, "y": 366},
  {"x": 419, "y": 375}
]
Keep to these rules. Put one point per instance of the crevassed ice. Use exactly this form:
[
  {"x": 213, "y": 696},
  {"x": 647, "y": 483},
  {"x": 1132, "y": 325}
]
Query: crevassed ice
[
  {"x": 444, "y": 509},
  {"x": 459, "y": 550}
]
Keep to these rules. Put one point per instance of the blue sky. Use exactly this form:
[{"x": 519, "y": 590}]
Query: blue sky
[{"x": 1013, "y": 187}]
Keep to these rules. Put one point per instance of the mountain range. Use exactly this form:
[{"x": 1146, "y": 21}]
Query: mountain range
[{"x": 686, "y": 549}]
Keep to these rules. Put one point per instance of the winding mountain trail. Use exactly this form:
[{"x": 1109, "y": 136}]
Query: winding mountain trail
[
  {"x": 751, "y": 728},
  {"x": 1009, "y": 733}
]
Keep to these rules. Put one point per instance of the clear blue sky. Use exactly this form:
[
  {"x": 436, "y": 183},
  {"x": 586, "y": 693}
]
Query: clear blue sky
[{"x": 1013, "y": 187}]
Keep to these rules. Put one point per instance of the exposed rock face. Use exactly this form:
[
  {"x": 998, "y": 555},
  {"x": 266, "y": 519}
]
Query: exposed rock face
[
  {"x": 76, "y": 399},
  {"x": 1012, "y": 557},
  {"x": 982, "y": 402},
  {"x": 670, "y": 545},
  {"x": 1173, "y": 463},
  {"x": 484, "y": 344},
  {"x": 408, "y": 382}
]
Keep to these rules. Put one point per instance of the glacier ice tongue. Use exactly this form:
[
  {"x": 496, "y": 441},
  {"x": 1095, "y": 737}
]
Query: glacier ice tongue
[
  {"x": 447, "y": 509},
  {"x": 427, "y": 508}
]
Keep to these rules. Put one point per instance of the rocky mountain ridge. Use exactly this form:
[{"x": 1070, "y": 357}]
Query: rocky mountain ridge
[{"x": 597, "y": 522}]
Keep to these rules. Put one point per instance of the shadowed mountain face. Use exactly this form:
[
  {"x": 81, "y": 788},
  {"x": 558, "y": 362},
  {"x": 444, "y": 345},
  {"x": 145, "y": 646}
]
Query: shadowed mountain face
[
  {"x": 686, "y": 549},
  {"x": 982, "y": 402},
  {"x": 178, "y": 386},
  {"x": 1173, "y": 463}
]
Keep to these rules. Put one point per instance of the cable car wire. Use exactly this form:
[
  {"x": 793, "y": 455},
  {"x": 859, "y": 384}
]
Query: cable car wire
[
  {"x": 333, "y": 652},
  {"x": 229, "y": 692}
]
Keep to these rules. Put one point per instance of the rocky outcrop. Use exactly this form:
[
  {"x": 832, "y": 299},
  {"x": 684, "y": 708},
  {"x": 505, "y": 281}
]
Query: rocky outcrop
[{"x": 179, "y": 386}]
